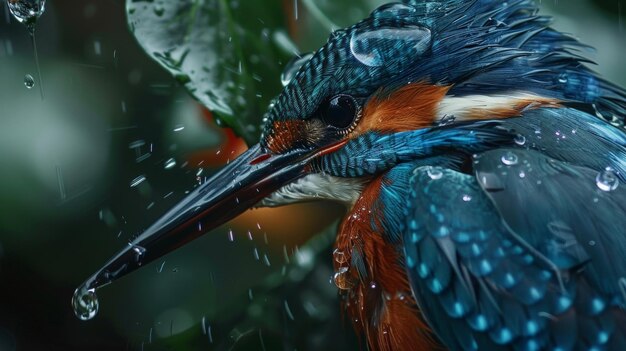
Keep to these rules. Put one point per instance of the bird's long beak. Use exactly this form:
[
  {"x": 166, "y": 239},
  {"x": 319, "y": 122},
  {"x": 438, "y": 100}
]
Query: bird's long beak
[{"x": 237, "y": 187}]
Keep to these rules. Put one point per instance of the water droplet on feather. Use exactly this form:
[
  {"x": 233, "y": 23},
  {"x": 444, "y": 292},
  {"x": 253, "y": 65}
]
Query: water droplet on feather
[
  {"x": 607, "y": 180},
  {"x": 388, "y": 45},
  {"x": 510, "y": 158},
  {"x": 293, "y": 67}
]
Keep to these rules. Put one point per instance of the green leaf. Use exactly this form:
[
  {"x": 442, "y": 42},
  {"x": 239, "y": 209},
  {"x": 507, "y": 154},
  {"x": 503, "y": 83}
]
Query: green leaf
[{"x": 223, "y": 52}]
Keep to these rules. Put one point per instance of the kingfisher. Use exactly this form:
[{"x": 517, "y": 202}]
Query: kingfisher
[{"x": 483, "y": 165}]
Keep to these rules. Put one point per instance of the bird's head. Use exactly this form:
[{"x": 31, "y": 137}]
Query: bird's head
[{"x": 369, "y": 99}]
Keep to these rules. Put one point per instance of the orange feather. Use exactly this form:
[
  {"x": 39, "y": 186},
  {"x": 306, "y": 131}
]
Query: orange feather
[
  {"x": 379, "y": 305},
  {"x": 411, "y": 107}
]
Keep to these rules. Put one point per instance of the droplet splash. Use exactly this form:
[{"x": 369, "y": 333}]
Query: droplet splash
[
  {"x": 85, "y": 303},
  {"x": 607, "y": 180},
  {"x": 29, "y": 81},
  {"x": 385, "y": 46}
]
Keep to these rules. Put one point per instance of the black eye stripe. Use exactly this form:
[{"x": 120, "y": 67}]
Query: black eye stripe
[{"x": 340, "y": 112}]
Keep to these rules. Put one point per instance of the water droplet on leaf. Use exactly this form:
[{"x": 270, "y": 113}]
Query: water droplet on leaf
[{"x": 159, "y": 11}]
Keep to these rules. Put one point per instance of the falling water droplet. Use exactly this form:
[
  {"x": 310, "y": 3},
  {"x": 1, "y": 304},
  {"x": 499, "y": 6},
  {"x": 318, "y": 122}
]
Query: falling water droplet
[
  {"x": 378, "y": 47},
  {"x": 434, "y": 173},
  {"x": 179, "y": 128},
  {"x": 509, "y": 158},
  {"x": 467, "y": 198},
  {"x": 29, "y": 81},
  {"x": 520, "y": 140},
  {"x": 135, "y": 182},
  {"x": 293, "y": 67},
  {"x": 607, "y": 180},
  {"x": 27, "y": 11},
  {"x": 171, "y": 163},
  {"x": 563, "y": 78},
  {"x": 85, "y": 303}
]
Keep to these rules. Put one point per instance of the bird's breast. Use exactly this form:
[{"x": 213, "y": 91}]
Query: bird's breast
[{"x": 372, "y": 281}]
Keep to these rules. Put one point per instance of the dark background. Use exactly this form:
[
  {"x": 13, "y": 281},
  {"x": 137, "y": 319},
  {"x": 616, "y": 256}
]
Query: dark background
[{"x": 66, "y": 205}]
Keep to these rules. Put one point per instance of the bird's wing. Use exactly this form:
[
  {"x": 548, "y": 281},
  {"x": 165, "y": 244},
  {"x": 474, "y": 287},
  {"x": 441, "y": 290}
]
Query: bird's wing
[{"x": 526, "y": 253}]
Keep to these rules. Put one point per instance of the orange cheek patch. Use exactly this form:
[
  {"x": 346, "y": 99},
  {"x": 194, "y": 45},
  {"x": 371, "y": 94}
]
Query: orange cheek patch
[
  {"x": 285, "y": 134},
  {"x": 411, "y": 107}
]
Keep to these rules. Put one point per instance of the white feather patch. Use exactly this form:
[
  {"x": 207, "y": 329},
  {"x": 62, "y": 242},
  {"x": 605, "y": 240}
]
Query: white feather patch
[
  {"x": 316, "y": 186},
  {"x": 462, "y": 107}
]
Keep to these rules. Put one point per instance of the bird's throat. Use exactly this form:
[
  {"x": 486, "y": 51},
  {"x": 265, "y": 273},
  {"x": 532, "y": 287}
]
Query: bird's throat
[{"x": 372, "y": 281}]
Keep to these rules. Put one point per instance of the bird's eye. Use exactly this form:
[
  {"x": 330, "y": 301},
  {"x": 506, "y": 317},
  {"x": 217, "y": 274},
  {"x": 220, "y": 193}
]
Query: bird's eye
[{"x": 341, "y": 112}]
